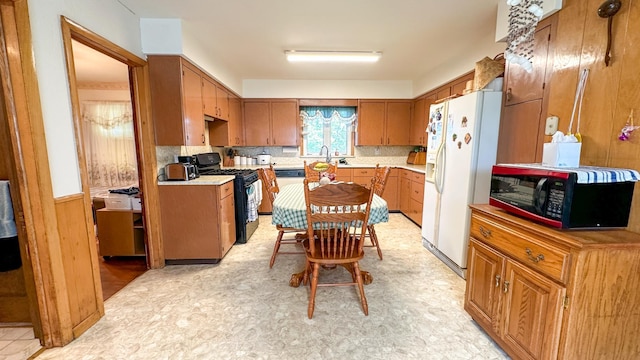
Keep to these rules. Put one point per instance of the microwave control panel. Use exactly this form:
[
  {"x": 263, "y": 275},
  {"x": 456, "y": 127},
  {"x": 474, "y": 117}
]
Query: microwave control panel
[{"x": 555, "y": 200}]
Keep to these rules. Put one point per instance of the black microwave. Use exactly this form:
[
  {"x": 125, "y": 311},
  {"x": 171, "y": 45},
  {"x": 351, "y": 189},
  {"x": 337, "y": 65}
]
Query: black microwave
[{"x": 562, "y": 198}]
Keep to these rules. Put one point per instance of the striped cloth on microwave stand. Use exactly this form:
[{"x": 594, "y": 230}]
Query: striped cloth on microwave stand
[
  {"x": 590, "y": 174},
  {"x": 289, "y": 208}
]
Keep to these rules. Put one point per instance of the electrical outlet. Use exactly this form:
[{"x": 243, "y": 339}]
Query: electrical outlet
[
  {"x": 377, "y": 150},
  {"x": 551, "y": 126}
]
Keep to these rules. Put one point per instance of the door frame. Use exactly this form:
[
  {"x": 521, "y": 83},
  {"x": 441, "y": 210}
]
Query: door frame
[{"x": 143, "y": 129}]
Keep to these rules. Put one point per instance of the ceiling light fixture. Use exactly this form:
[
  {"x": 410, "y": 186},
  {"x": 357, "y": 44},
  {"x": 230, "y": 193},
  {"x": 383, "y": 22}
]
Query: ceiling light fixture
[{"x": 332, "y": 56}]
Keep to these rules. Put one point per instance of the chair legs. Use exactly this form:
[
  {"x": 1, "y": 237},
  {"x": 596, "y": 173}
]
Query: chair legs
[
  {"x": 356, "y": 275},
  {"x": 314, "y": 287},
  {"x": 279, "y": 241},
  {"x": 374, "y": 239}
]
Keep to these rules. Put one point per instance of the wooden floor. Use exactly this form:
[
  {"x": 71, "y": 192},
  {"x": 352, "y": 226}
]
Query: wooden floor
[{"x": 117, "y": 272}]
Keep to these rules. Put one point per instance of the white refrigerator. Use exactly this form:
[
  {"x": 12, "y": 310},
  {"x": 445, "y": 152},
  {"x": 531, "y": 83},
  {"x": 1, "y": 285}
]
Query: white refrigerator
[{"x": 461, "y": 150}]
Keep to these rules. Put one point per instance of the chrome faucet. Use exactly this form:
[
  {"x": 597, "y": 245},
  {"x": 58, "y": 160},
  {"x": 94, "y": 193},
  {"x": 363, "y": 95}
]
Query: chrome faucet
[{"x": 328, "y": 158}]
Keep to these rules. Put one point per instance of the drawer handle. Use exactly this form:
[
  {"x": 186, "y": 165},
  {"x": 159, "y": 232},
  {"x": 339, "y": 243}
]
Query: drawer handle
[
  {"x": 535, "y": 259},
  {"x": 485, "y": 232},
  {"x": 497, "y": 280},
  {"x": 505, "y": 289}
]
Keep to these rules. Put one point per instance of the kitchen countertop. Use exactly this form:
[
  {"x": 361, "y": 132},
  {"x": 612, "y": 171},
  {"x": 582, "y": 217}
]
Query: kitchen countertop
[
  {"x": 202, "y": 180},
  {"x": 416, "y": 168}
]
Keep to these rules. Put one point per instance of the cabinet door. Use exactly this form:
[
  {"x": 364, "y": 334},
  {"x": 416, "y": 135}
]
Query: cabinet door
[
  {"x": 235, "y": 122},
  {"x": 209, "y": 97},
  {"x": 524, "y": 86},
  {"x": 390, "y": 194},
  {"x": 484, "y": 280},
  {"x": 443, "y": 93},
  {"x": 115, "y": 232},
  {"x": 405, "y": 192},
  {"x": 192, "y": 102},
  {"x": 284, "y": 123},
  {"x": 397, "y": 123},
  {"x": 532, "y": 313},
  {"x": 257, "y": 123},
  {"x": 227, "y": 224},
  {"x": 222, "y": 102},
  {"x": 343, "y": 174},
  {"x": 418, "y": 124},
  {"x": 371, "y": 120},
  {"x": 519, "y": 133}
]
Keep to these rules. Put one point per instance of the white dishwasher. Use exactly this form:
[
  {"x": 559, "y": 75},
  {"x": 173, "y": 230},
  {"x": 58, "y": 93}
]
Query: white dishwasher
[{"x": 289, "y": 176}]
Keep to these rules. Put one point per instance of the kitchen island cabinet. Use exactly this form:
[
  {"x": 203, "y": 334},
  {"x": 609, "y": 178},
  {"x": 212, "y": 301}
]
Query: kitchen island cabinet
[
  {"x": 383, "y": 122},
  {"x": 542, "y": 293},
  {"x": 271, "y": 122},
  {"x": 198, "y": 221}
]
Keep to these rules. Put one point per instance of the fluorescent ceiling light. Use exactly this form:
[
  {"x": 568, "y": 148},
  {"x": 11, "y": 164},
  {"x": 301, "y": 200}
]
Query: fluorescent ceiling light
[{"x": 332, "y": 56}]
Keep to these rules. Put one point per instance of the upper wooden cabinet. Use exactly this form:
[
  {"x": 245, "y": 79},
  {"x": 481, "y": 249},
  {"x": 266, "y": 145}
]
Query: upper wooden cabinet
[
  {"x": 419, "y": 119},
  {"x": 524, "y": 86},
  {"x": 271, "y": 122},
  {"x": 384, "y": 122},
  {"x": 216, "y": 99},
  {"x": 525, "y": 106},
  {"x": 176, "y": 101},
  {"x": 228, "y": 133}
]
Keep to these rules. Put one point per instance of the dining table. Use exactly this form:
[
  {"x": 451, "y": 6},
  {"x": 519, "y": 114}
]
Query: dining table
[{"x": 289, "y": 210}]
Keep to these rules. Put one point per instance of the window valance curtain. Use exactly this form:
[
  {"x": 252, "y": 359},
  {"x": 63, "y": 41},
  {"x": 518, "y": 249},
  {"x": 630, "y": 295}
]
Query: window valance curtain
[
  {"x": 326, "y": 115},
  {"x": 109, "y": 143}
]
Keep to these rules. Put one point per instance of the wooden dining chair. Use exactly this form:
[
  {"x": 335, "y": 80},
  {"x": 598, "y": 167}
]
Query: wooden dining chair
[
  {"x": 268, "y": 177},
  {"x": 337, "y": 215},
  {"x": 380, "y": 177},
  {"x": 313, "y": 171}
]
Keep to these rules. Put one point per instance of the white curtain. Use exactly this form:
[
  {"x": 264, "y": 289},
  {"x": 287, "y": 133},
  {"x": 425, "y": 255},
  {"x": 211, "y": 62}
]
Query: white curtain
[{"x": 109, "y": 143}]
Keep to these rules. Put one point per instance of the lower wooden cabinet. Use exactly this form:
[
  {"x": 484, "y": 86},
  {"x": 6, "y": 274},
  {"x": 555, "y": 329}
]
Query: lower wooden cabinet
[
  {"x": 198, "y": 221},
  {"x": 547, "y": 294},
  {"x": 411, "y": 194},
  {"x": 120, "y": 232}
]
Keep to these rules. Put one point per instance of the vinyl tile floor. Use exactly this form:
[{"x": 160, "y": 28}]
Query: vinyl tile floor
[{"x": 241, "y": 309}]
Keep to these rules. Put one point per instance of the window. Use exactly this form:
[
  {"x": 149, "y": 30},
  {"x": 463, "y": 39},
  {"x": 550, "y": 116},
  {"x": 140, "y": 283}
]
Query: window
[{"x": 327, "y": 126}]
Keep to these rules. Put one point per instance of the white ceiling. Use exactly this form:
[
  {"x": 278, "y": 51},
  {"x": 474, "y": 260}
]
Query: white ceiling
[
  {"x": 248, "y": 37},
  {"x": 94, "y": 67}
]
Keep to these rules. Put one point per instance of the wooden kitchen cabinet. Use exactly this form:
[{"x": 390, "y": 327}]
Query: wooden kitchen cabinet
[
  {"x": 176, "y": 101},
  {"x": 271, "y": 123},
  {"x": 198, "y": 221},
  {"x": 390, "y": 194},
  {"x": 216, "y": 99},
  {"x": 541, "y": 293},
  {"x": 411, "y": 194},
  {"x": 524, "y": 107},
  {"x": 228, "y": 133},
  {"x": 120, "y": 232},
  {"x": 383, "y": 122}
]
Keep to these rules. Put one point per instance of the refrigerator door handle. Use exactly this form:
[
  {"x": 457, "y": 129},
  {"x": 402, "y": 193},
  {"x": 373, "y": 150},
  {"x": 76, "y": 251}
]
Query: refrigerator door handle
[{"x": 440, "y": 158}]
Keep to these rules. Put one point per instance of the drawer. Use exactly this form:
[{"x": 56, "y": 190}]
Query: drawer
[
  {"x": 343, "y": 174},
  {"x": 406, "y": 173},
  {"x": 417, "y": 177},
  {"x": 363, "y": 180},
  {"x": 417, "y": 191},
  {"x": 226, "y": 189},
  {"x": 394, "y": 172},
  {"x": 527, "y": 248},
  {"x": 364, "y": 172}
]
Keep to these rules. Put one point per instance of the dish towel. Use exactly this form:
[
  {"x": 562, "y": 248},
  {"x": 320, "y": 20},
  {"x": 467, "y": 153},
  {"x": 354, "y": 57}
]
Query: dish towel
[
  {"x": 259, "y": 191},
  {"x": 7, "y": 222},
  {"x": 252, "y": 203}
]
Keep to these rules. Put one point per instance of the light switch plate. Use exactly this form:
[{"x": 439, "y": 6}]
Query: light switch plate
[{"x": 551, "y": 126}]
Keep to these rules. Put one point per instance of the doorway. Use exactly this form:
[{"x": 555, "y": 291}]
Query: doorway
[{"x": 109, "y": 144}]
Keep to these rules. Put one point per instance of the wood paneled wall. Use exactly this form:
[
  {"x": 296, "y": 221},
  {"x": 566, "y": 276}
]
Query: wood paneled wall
[
  {"x": 79, "y": 253},
  {"x": 611, "y": 92}
]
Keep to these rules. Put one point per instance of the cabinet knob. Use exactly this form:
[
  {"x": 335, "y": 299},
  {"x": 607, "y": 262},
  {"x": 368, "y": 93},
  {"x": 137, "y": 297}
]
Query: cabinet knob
[
  {"x": 509, "y": 94},
  {"x": 505, "y": 289}
]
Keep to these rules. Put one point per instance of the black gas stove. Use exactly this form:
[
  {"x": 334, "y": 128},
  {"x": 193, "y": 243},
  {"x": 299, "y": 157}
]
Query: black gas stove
[{"x": 209, "y": 164}]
